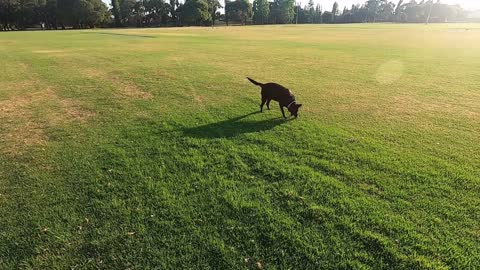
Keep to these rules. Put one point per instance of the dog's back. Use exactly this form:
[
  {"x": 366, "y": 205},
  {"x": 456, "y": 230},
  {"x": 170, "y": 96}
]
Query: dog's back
[
  {"x": 279, "y": 93},
  {"x": 275, "y": 91}
]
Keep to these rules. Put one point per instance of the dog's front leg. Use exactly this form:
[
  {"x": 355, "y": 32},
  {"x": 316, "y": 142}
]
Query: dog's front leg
[{"x": 283, "y": 112}]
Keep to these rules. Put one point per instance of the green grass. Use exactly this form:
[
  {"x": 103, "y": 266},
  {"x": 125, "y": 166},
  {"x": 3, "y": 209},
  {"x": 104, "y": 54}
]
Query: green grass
[{"x": 142, "y": 149}]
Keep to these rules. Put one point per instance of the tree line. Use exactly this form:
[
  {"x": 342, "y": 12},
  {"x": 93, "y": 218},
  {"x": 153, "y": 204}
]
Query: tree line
[
  {"x": 381, "y": 11},
  {"x": 55, "y": 14}
]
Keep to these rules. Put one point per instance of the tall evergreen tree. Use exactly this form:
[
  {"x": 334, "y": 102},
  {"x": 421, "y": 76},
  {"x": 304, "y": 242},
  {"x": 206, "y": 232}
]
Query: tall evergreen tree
[
  {"x": 310, "y": 12},
  {"x": 334, "y": 10}
]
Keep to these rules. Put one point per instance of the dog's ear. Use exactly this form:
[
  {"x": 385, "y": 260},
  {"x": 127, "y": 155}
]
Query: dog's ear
[{"x": 299, "y": 105}]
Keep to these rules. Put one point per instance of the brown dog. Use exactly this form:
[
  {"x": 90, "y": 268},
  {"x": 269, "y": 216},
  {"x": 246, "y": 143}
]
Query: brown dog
[{"x": 274, "y": 91}]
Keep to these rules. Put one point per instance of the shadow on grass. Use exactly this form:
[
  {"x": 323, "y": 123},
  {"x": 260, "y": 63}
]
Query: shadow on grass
[{"x": 233, "y": 127}]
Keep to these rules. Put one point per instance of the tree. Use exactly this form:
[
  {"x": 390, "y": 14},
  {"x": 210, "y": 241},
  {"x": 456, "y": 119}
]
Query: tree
[
  {"x": 50, "y": 14},
  {"x": 310, "y": 12},
  {"x": 65, "y": 10},
  {"x": 239, "y": 10},
  {"x": 195, "y": 12},
  {"x": 173, "y": 11},
  {"x": 335, "y": 10},
  {"x": 413, "y": 12},
  {"x": 116, "y": 12},
  {"x": 372, "y": 8},
  {"x": 386, "y": 11},
  {"x": 127, "y": 9},
  {"x": 244, "y": 10},
  {"x": 25, "y": 12},
  {"x": 327, "y": 17},
  {"x": 213, "y": 6},
  {"x": 261, "y": 10},
  {"x": 227, "y": 7},
  {"x": 157, "y": 12},
  {"x": 399, "y": 11},
  {"x": 8, "y": 10},
  {"x": 444, "y": 13},
  {"x": 285, "y": 11},
  {"x": 301, "y": 14},
  {"x": 89, "y": 13},
  {"x": 318, "y": 14}
]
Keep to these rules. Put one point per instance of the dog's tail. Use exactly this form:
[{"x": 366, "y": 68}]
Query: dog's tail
[{"x": 255, "y": 82}]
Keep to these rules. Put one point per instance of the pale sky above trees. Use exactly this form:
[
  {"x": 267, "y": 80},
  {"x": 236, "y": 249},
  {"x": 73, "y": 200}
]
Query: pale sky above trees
[{"x": 328, "y": 4}]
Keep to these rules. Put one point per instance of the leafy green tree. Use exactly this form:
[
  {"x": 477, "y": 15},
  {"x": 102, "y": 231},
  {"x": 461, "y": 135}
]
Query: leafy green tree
[
  {"x": 301, "y": 14},
  {"x": 139, "y": 14},
  {"x": 51, "y": 14},
  {"x": 327, "y": 17},
  {"x": 157, "y": 12},
  {"x": 8, "y": 9},
  {"x": 65, "y": 12},
  {"x": 261, "y": 10},
  {"x": 173, "y": 11},
  {"x": 286, "y": 11},
  {"x": 89, "y": 13},
  {"x": 239, "y": 10},
  {"x": 386, "y": 11},
  {"x": 127, "y": 9},
  {"x": 274, "y": 11},
  {"x": 227, "y": 7},
  {"x": 213, "y": 6},
  {"x": 25, "y": 12},
  {"x": 194, "y": 12},
  {"x": 116, "y": 12}
]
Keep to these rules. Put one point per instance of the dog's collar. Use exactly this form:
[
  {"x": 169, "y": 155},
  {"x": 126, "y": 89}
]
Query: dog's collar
[{"x": 288, "y": 106}]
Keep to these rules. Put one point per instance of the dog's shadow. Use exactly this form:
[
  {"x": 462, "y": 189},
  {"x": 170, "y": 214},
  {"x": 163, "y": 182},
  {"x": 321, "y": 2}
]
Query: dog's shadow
[{"x": 233, "y": 127}]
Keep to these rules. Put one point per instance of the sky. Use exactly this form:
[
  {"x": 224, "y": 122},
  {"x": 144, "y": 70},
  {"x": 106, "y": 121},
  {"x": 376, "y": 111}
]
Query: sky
[{"x": 328, "y": 4}]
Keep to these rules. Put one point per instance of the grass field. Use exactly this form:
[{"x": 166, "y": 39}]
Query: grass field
[{"x": 144, "y": 149}]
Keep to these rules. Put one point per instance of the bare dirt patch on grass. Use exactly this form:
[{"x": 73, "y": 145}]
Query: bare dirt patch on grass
[
  {"x": 59, "y": 53},
  {"x": 15, "y": 86},
  {"x": 93, "y": 73},
  {"x": 50, "y": 51},
  {"x": 126, "y": 88},
  {"x": 132, "y": 91},
  {"x": 19, "y": 128},
  {"x": 24, "y": 119},
  {"x": 74, "y": 111},
  {"x": 23, "y": 66}
]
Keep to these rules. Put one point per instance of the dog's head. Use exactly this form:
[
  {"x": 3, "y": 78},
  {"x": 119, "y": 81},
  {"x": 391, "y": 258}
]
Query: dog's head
[{"x": 293, "y": 109}]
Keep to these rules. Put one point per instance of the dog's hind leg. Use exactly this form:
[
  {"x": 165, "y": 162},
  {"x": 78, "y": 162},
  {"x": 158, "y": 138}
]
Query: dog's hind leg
[
  {"x": 263, "y": 103},
  {"x": 268, "y": 103}
]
